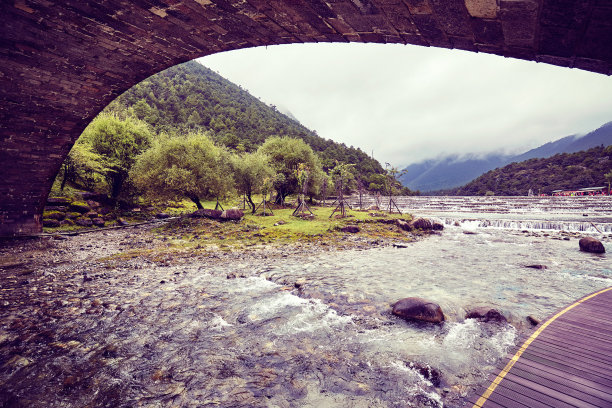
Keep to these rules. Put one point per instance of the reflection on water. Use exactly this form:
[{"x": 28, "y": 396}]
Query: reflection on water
[{"x": 307, "y": 331}]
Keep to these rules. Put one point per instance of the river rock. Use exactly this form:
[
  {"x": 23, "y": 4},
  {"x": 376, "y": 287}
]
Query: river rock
[
  {"x": 421, "y": 224},
  {"x": 403, "y": 225},
  {"x": 429, "y": 373},
  {"x": 232, "y": 214},
  {"x": 353, "y": 229},
  {"x": 207, "y": 213},
  {"x": 58, "y": 201},
  {"x": 98, "y": 222},
  {"x": 533, "y": 320},
  {"x": 536, "y": 266},
  {"x": 415, "y": 308},
  {"x": 436, "y": 226},
  {"x": 60, "y": 208},
  {"x": 79, "y": 207},
  {"x": 84, "y": 222},
  {"x": 54, "y": 215},
  {"x": 590, "y": 244},
  {"x": 486, "y": 314},
  {"x": 50, "y": 223}
]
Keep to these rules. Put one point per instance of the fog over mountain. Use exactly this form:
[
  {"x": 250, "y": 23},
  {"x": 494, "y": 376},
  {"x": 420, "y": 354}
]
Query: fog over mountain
[{"x": 454, "y": 171}]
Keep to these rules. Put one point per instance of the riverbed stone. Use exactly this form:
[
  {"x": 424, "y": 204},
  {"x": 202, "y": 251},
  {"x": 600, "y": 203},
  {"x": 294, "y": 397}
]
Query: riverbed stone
[
  {"x": 98, "y": 222},
  {"x": 486, "y": 314},
  {"x": 590, "y": 244},
  {"x": 58, "y": 201},
  {"x": 403, "y": 225},
  {"x": 207, "y": 213},
  {"x": 536, "y": 266},
  {"x": 421, "y": 224},
  {"x": 418, "y": 309},
  {"x": 79, "y": 206},
  {"x": 436, "y": 226},
  {"x": 232, "y": 214},
  {"x": 50, "y": 223},
  {"x": 84, "y": 222},
  {"x": 353, "y": 229}
]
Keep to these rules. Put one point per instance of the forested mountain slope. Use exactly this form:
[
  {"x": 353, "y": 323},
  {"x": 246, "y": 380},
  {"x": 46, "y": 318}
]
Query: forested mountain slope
[
  {"x": 190, "y": 96},
  {"x": 453, "y": 171},
  {"x": 562, "y": 171}
]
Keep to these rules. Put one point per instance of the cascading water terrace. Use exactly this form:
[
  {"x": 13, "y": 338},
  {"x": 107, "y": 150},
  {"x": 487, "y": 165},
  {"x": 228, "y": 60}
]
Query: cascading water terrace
[{"x": 573, "y": 214}]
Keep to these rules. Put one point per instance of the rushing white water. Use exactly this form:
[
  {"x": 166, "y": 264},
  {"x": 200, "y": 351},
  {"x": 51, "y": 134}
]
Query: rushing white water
[
  {"x": 314, "y": 330},
  {"x": 581, "y": 214}
]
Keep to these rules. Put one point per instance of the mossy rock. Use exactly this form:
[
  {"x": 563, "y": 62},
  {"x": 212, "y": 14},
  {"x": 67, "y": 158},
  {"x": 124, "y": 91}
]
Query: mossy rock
[
  {"x": 54, "y": 215},
  {"x": 67, "y": 222},
  {"x": 84, "y": 222},
  {"x": 50, "y": 223},
  {"x": 73, "y": 215},
  {"x": 58, "y": 201},
  {"x": 80, "y": 207}
]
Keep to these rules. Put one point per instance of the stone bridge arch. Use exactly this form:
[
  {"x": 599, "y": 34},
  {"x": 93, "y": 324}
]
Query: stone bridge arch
[{"x": 63, "y": 62}]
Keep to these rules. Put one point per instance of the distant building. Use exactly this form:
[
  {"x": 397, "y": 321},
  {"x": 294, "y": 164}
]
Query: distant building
[{"x": 589, "y": 191}]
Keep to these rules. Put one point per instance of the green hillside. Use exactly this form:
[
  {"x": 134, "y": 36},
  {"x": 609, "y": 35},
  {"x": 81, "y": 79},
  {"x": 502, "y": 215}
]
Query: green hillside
[
  {"x": 562, "y": 171},
  {"x": 190, "y": 96}
]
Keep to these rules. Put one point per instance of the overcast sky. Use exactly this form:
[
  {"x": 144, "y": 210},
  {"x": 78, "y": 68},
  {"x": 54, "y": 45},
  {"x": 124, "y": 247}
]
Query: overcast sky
[{"x": 410, "y": 103}]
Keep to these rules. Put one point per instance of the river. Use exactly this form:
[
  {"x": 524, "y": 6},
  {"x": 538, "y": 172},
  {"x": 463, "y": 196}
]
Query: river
[{"x": 309, "y": 330}]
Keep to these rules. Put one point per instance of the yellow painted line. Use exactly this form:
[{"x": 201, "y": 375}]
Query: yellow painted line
[{"x": 485, "y": 395}]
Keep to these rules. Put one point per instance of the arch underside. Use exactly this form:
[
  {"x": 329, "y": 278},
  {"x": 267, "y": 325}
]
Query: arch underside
[{"x": 62, "y": 63}]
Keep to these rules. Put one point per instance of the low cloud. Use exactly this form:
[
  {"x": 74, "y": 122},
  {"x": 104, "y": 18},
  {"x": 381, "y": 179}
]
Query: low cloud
[{"x": 410, "y": 103}]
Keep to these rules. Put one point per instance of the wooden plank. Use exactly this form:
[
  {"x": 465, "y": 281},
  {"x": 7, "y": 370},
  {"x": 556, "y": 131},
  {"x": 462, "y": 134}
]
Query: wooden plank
[
  {"x": 565, "y": 387},
  {"x": 562, "y": 353},
  {"x": 551, "y": 396},
  {"x": 582, "y": 380},
  {"x": 528, "y": 395},
  {"x": 566, "y": 362},
  {"x": 578, "y": 343}
]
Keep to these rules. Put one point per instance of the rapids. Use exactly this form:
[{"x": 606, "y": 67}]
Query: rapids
[{"x": 308, "y": 330}]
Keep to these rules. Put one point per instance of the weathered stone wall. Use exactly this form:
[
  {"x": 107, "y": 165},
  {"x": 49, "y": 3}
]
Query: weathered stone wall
[{"x": 62, "y": 62}]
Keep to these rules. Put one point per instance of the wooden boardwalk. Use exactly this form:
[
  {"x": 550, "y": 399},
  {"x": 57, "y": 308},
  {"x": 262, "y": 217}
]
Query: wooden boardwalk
[{"x": 566, "y": 362}]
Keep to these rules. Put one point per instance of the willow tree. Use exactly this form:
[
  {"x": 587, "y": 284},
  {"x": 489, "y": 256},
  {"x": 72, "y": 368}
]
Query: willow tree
[
  {"x": 190, "y": 166},
  {"x": 285, "y": 155},
  {"x": 250, "y": 172},
  {"x": 114, "y": 143}
]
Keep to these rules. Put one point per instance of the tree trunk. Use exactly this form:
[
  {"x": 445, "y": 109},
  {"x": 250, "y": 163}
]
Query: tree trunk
[
  {"x": 250, "y": 200},
  {"x": 196, "y": 201},
  {"x": 64, "y": 178}
]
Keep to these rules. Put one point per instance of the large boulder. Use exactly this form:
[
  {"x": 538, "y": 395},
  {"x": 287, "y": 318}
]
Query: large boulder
[
  {"x": 589, "y": 244},
  {"x": 54, "y": 215},
  {"x": 486, "y": 314},
  {"x": 418, "y": 309},
  {"x": 353, "y": 229},
  {"x": 80, "y": 207},
  {"x": 84, "y": 222},
  {"x": 232, "y": 214},
  {"x": 58, "y": 201},
  {"x": 50, "y": 223},
  {"x": 437, "y": 226},
  {"x": 206, "y": 213},
  {"x": 421, "y": 224},
  {"x": 404, "y": 225},
  {"x": 98, "y": 222}
]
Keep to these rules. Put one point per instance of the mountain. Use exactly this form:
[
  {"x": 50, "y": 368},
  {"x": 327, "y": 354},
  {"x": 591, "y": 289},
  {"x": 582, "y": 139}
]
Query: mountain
[
  {"x": 453, "y": 171},
  {"x": 190, "y": 97},
  {"x": 559, "y": 172}
]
